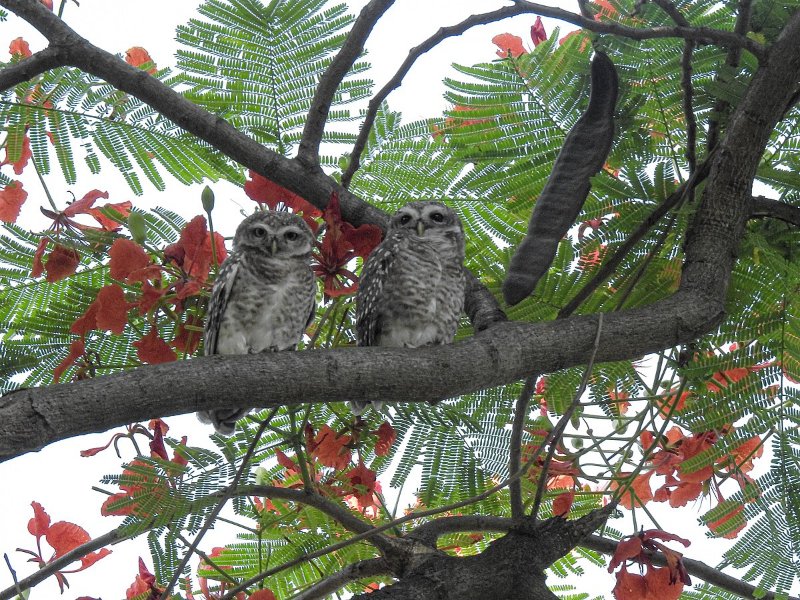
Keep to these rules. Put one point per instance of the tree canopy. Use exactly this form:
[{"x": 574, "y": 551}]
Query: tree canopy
[{"x": 643, "y": 352}]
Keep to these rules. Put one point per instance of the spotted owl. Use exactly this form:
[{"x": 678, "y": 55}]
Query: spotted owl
[
  {"x": 264, "y": 296},
  {"x": 411, "y": 292}
]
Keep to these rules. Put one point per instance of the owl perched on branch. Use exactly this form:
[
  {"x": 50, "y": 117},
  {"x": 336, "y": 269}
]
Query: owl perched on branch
[
  {"x": 264, "y": 296},
  {"x": 411, "y": 292}
]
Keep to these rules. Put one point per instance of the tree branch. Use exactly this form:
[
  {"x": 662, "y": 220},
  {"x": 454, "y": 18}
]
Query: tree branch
[
  {"x": 28, "y": 68},
  {"x": 308, "y": 152},
  {"x": 469, "y": 523},
  {"x": 515, "y": 444},
  {"x": 354, "y": 572},
  {"x": 766, "y": 207},
  {"x": 610, "y": 265},
  {"x": 112, "y": 537},
  {"x": 30, "y": 419},
  {"x": 684, "y": 30}
]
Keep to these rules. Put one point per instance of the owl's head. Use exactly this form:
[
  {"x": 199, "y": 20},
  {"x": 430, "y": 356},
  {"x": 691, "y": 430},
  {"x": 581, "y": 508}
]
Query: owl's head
[
  {"x": 274, "y": 234},
  {"x": 432, "y": 221}
]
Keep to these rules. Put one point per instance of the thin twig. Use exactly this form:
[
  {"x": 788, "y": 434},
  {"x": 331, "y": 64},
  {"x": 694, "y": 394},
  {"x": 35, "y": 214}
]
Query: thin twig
[
  {"x": 686, "y": 83},
  {"x": 610, "y": 265},
  {"x": 558, "y": 430},
  {"x": 520, "y": 417},
  {"x": 226, "y": 495},
  {"x": 13, "y": 574},
  {"x": 731, "y": 60}
]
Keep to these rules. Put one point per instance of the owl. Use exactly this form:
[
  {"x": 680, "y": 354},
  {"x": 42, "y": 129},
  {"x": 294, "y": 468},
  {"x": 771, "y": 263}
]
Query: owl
[
  {"x": 264, "y": 296},
  {"x": 411, "y": 292}
]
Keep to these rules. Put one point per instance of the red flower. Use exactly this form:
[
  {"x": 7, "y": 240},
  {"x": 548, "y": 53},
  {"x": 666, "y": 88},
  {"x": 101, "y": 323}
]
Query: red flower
[
  {"x": 138, "y": 56},
  {"x": 61, "y": 263},
  {"x": 639, "y": 492},
  {"x": 19, "y": 48},
  {"x": 563, "y": 503},
  {"x": 269, "y": 193},
  {"x": 342, "y": 243},
  {"x": 658, "y": 583},
  {"x": 386, "y": 437},
  {"x": 64, "y": 218},
  {"x": 63, "y": 537},
  {"x": 509, "y": 44},
  {"x": 129, "y": 262},
  {"x": 145, "y": 583},
  {"x": 538, "y": 34},
  {"x": 151, "y": 349},
  {"x": 24, "y": 155},
  {"x": 364, "y": 484},
  {"x": 76, "y": 350},
  {"x": 108, "y": 311},
  {"x": 120, "y": 209},
  {"x": 12, "y": 197},
  {"x": 331, "y": 449},
  {"x": 734, "y": 519},
  {"x": 192, "y": 252}
]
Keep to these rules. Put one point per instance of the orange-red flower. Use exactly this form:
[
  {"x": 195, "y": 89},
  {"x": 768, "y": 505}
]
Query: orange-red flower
[
  {"x": 12, "y": 197},
  {"x": 63, "y": 537},
  {"x": 509, "y": 44}
]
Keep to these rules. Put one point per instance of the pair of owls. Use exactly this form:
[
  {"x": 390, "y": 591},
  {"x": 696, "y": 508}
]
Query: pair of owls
[{"x": 411, "y": 291}]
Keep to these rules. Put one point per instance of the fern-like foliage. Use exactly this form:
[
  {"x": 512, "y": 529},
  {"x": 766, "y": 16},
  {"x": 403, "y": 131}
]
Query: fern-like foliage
[{"x": 256, "y": 64}]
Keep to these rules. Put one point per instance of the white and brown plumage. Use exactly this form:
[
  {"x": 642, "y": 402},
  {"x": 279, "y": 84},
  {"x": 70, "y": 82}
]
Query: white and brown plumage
[
  {"x": 411, "y": 292},
  {"x": 264, "y": 296}
]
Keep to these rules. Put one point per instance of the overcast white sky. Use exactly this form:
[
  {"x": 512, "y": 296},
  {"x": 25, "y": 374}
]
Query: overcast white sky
[{"x": 57, "y": 477}]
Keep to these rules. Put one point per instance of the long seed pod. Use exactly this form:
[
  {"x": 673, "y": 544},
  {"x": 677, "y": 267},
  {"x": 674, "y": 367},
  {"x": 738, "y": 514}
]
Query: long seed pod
[{"x": 583, "y": 154}]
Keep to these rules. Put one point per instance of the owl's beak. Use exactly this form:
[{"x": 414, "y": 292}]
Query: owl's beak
[
  {"x": 273, "y": 247},
  {"x": 420, "y": 228}
]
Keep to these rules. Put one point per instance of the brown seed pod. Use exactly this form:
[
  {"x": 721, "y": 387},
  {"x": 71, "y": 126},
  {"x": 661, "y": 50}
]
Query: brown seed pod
[{"x": 583, "y": 154}]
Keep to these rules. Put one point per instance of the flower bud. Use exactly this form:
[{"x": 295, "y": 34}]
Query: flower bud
[
  {"x": 138, "y": 227},
  {"x": 207, "y": 198}
]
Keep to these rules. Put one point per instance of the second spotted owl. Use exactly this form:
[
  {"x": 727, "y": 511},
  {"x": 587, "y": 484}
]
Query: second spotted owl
[{"x": 411, "y": 292}]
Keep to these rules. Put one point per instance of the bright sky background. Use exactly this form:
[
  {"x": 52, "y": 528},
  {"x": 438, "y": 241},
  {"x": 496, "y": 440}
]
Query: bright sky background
[{"x": 57, "y": 476}]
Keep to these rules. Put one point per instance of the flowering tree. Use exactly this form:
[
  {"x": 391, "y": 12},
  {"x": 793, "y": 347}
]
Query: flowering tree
[{"x": 551, "y": 423}]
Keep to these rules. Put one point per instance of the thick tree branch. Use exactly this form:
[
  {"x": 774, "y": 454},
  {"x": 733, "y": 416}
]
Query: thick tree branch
[
  {"x": 33, "y": 418},
  {"x": 308, "y": 152},
  {"x": 28, "y": 68},
  {"x": 775, "y": 209},
  {"x": 30, "y": 419},
  {"x": 473, "y": 523},
  {"x": 354, "y": 572}
]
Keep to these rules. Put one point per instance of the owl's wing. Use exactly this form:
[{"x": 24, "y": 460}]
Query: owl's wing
[
  {"x": 219, "y": 302},
  {"x": 374, "y": 275}
]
